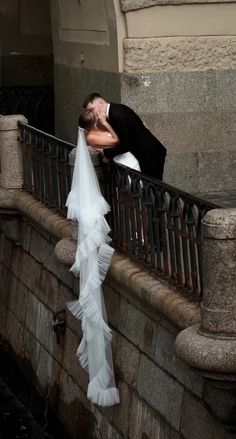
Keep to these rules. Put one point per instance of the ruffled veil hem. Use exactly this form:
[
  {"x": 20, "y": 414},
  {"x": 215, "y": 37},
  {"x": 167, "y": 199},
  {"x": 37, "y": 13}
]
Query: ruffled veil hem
[{"x": 87, "y": 206}]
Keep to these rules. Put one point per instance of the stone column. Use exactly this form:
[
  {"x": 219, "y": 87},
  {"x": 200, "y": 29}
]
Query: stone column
[
  {"x": 210, "y": 348},
  {"x": 11, "y": 176},
  {"x": 219, "y": 274}
]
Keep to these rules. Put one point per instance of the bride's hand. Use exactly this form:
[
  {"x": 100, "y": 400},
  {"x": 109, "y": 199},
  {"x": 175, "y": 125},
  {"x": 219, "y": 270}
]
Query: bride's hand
[{"x": 101, "y": 116}]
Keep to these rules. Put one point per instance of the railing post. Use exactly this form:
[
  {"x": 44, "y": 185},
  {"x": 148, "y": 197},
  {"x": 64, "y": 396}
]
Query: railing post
[
  {"x": 11, "y": 176},
  {"x": 210, "y": 347}
]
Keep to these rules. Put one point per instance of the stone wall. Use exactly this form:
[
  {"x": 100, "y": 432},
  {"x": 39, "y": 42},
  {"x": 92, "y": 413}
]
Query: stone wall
[
  {"x": 26, "y": 43},
  {"x": 161, "y": 398}
]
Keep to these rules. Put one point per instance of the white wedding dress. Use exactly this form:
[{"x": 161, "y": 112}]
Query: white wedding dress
[
  {"x": 127, "y": 159},
  {"x": 87, "y": 207}
]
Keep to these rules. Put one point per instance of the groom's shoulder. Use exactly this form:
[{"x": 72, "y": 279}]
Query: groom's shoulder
[{"x": 121, "y": 107}]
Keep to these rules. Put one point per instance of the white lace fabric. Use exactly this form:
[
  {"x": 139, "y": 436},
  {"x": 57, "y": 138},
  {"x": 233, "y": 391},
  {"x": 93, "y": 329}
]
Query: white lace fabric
[{"x": 87, "y": 206}]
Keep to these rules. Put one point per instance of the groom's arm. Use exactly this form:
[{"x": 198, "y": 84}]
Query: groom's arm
[{"x": 110, "y": 153}]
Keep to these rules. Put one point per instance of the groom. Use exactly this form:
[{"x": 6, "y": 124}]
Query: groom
[{"x": 133, "y": 135}]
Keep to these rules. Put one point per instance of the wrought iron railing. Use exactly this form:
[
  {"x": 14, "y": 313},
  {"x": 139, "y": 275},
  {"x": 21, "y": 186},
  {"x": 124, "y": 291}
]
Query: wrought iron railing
[
  {"x": 46, "y": 170},
  {"x": 35, "y": 103},
  {"x": 155, "y": 223}
]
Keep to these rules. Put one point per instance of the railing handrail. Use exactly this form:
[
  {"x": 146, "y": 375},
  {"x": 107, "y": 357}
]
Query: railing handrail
[
  {"x": 163, "y": 184},
  {"x": 46, "y": 135},
  {"x": 169, "y": 188}
]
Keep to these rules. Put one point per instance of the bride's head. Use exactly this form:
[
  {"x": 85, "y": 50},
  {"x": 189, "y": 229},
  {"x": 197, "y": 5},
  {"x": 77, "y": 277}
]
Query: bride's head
[{"x": 87, "y": 119}]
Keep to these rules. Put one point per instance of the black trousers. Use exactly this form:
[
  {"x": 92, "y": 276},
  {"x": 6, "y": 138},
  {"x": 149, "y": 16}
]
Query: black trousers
[{"x": 156, "y": 168}]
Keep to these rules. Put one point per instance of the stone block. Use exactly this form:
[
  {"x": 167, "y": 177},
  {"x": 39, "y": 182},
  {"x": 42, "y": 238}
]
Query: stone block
[
  {"x": 48, "y": 289},
  {"x": 40, "y": 247},
  {"x": 137, "y": 327},
  {"x": 11, "y": 227},
  {"x": 162, "y": 92},
  {"x": 127, "y": 359},
  {"x": 28, "y": 270},
  {"x": 5, "y": 284},
  {"x": 166, "y": 358},
  {"x": 30, "y": 353},
  {"x": 16, "y": 262},
  {"x": 39, "y": 320},
  {"x": 7, "y": 250},
  {"x": 59, "y": 270},
  {"x": 103, "y": 428},
  {"x": 18, "y": 299},
  {"x": 14, "y": 333},
  {"x": 198, "y": 423},
  {"x": 70, "y": 362},
  {"x": 121, "y": 412},
  {"x": 144, "y": 422},
  {"x": 44, "y": 370},
  {"x": 43, "y": 284},
  {"x": 176, "y": 54},
  {"x": 221, "y": 399},
  {"x": 74, "y": 409},
  {"x": 160, "y": 391},
  {"x": 25, "y": 236},
  {"x": 217, "y": 170},
  {"x": 193, "y": 132},
  {"x": 112, "y": 299},
  {"x": 182, "y": 171}
]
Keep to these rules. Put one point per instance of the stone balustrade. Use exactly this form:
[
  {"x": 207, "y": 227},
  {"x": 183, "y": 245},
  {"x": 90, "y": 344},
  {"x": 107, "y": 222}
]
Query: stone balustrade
[{"x": 210, "y": 347}]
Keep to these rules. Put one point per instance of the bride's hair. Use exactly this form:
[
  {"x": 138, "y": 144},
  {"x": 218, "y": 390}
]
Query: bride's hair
[{"x": 87, "y": 119}]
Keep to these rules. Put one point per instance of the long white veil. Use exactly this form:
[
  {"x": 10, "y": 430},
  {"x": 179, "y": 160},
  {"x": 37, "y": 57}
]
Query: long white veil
[{"x": 87, "y": 206}]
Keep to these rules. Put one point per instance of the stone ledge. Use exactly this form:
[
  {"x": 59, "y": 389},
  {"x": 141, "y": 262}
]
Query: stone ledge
[
  {"x": 147, "y": 55},
  {"x": 154, "y": 293},
  {"x": 203, "y": 352},
  {"x": 131, "y": 5},
  {"x": 48, "y": 219}
]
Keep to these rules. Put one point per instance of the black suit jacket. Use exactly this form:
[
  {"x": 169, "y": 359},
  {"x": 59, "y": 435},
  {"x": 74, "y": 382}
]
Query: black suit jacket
[{"x": 136, "y": 138}]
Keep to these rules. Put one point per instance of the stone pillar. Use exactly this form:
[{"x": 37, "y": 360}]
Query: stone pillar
[
  {"x": 219, "y": 273},
  {"x": 210, "y": 348},
  {"x": 11, "y": 176}
]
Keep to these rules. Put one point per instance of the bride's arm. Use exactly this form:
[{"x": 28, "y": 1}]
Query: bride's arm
[{"x": 100, "y": 139}]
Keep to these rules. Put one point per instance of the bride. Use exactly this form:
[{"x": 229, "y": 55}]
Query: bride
[{"x": 100, "y": 135}]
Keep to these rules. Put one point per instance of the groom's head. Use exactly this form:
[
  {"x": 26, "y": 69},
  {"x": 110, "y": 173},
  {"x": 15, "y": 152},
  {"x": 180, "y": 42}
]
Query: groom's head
[{"x": 94, "y": 101}]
